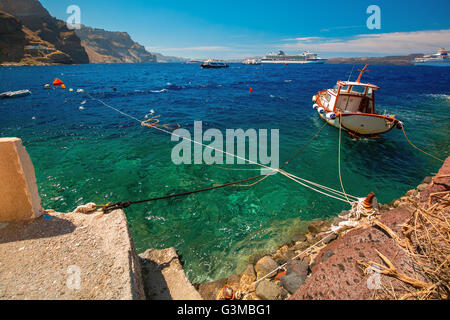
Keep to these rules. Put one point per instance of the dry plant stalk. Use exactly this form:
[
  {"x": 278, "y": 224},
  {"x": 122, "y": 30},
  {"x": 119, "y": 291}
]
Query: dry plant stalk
[{"x": 426, "y": 237}]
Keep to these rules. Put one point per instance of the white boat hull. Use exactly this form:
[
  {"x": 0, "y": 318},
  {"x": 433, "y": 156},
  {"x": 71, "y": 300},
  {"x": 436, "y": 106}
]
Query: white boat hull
[{"x": 362, "y": 124}]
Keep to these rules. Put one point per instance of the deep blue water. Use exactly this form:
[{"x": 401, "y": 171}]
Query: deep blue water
[{"x": 98, "y": 155}]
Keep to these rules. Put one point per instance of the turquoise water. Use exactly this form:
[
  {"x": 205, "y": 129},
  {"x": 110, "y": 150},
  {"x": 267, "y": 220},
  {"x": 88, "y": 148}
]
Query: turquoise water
[{"x": 97, "y": 155}]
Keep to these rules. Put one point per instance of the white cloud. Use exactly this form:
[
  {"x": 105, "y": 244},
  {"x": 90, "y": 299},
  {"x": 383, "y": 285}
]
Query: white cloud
[{"x": 382, "y": 43}]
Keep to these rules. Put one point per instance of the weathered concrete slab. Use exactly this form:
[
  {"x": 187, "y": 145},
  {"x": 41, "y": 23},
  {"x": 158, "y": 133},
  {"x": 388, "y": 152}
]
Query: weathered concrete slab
[
  {"x": 19, "y": 198},
  {"x": 70, "y": 256},
  {"x": 164, "y": 277}
]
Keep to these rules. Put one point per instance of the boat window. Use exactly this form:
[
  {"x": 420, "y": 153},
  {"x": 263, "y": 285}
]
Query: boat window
[
  {"x": 369, "y": 92},
  {"x": 344, "y": 89},
  {"x": 358, "y": 89},
  {"x": 336, "y": 88}
]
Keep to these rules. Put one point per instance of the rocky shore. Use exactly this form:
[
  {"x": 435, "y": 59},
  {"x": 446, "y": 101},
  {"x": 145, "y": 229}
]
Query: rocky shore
[{"x": 330, "y": 270}]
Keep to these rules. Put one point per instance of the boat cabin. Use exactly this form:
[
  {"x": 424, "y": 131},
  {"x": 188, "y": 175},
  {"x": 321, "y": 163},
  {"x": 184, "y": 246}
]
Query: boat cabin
[{"x": 351, "y": 97}]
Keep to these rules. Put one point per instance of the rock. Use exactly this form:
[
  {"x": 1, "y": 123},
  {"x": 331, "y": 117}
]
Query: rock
[
  {"x": 337, "y": 220},
  {"x": 396, "y": 203},
  {"x": 300, "y": 246},
  {"x": 248, "y": 277},
  {"x": 330, "y": 238},
  {"x": 299, "y": 238},
  {"x": 292, "y": 282},
  {"x": 164, "y": 277},
  {"x": 209, "y": 290},
  {"x": 298, "y": 267},
  {"x": 427, "y": 180},
  {"x": 264, "y": 266},
  {"x": 268, "y": 290},
  {"x": 283, "y": 254},
  {"x": 234, "y": 279},
  {"x": 319, "y": 226},
  {"x": 327, "y": 255},
  {"x": 411, "y": 193},
  {"x": 422, "y": 187},
  {"x": 311, "y": 238}
]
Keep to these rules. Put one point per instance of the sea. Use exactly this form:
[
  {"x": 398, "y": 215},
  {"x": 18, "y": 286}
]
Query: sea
[{"x": 85, "y": 152}]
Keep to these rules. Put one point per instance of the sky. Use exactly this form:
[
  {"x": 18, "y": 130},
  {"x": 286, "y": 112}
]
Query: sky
[{"x": 236, "y": 29}]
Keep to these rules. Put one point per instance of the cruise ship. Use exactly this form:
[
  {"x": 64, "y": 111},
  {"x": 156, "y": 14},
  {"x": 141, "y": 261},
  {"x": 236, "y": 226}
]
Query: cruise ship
[
  {"x": 439, "y": 59},
  {"x": 304, "y": 58}
]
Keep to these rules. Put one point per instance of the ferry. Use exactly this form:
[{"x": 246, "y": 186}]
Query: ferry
[
  {"x": 439, "y": 59},
  {"x": 214, "y": 64},
  {"x": 254, "y": 62},
  {"x": 304, "y": 58},
  {"x": 350, "y": 105}
]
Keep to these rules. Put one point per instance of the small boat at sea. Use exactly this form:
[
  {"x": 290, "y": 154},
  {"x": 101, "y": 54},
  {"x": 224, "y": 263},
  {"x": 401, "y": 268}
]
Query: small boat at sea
[
  {"x": 15, "y": 94},
  {"x": 439, "y": 59},
  {"x": 252, "y": 62},
  {"x": 214, "y": 64},
  {"x": 351, "y": 106}
]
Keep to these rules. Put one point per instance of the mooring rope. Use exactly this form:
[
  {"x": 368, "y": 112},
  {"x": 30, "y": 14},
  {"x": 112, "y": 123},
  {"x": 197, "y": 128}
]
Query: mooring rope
[
  {"x": 414, "y": 146},
  {"x": 306, "y": 183},
  {"x": 339, "y": 157}
]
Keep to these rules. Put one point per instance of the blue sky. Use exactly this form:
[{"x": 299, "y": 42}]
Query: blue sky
[{"x": 234, "y": 29}]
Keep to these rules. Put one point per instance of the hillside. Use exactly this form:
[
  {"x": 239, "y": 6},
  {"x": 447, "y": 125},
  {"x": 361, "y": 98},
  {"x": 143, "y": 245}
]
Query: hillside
[
  {"x": 47, "y": 30},
  {"x": 405, "y": 60},
  {"x": 20, "y": 45},
  {"x": 112, "y": 47}
]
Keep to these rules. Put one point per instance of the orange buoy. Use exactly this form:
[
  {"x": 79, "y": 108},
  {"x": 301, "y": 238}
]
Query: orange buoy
[
  {"x": 57, "y": 82},
  {"x": 63, "y": 86}
]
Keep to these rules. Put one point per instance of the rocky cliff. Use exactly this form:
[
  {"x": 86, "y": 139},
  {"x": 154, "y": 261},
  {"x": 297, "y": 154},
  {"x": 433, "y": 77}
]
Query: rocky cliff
[
  {"x": 20, "y": 45},
  {"x": 52, "y": 32},
  {"x": 112, "y": 47}
]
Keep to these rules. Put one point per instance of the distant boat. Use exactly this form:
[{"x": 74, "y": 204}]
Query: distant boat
[
  {"x": 304, "y": 58},
  {"x": 214, "y": 64},
  {"x": 351, "y": 105},
  {"x": 254, "y": 62},
  {"x": 439, "y": 59},
  {"x": 15, "y": 94}
]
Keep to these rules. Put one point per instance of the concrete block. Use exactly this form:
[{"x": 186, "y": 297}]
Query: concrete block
[{"x": 19, "y": 197}]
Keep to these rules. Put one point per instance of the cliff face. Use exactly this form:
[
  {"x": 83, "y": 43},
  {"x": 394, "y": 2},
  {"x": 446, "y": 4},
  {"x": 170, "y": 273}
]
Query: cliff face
[
  {"x": 18, "y": 44},
  {"x": 112, "y": 47},
  {"x": 36, "y": 19}
]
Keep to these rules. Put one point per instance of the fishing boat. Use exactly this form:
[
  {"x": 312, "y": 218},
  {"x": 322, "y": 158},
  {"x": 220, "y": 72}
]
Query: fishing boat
[
  {"x": 214, "y": 64},
  {"x": 15, "y": 94},
  {"x": 351, "y": 106}
]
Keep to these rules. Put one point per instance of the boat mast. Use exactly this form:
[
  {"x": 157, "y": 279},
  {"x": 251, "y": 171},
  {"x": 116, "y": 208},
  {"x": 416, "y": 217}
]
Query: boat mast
[{"x": 362, "y": 72}]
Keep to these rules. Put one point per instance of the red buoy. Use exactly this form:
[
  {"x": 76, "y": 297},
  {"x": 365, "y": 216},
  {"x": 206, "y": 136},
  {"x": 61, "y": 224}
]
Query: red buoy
[
  {"x": 251, "y": 90},
  {"x": 57, "y": 82}
]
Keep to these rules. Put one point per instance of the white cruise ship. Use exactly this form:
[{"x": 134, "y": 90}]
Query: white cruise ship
[
  {"x": 439, "y": 59},
  {"x": 304, "y": 58}
]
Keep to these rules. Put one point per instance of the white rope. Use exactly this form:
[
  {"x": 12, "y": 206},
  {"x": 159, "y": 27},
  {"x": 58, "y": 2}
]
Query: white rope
[
  {"x": 339, "y": 157},
  {"x": 286, "y": 174}
]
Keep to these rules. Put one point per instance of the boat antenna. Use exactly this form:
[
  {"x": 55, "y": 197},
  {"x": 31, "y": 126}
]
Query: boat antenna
[
  {"x": 362, "y": 72},
  {"x": 350, "y": 75}
]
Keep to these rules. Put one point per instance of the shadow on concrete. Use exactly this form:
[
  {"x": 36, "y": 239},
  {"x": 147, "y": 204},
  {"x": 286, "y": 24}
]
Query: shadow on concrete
[
  {"x": 42, "y": 227},
  {"x": 155, "y": 286}
]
